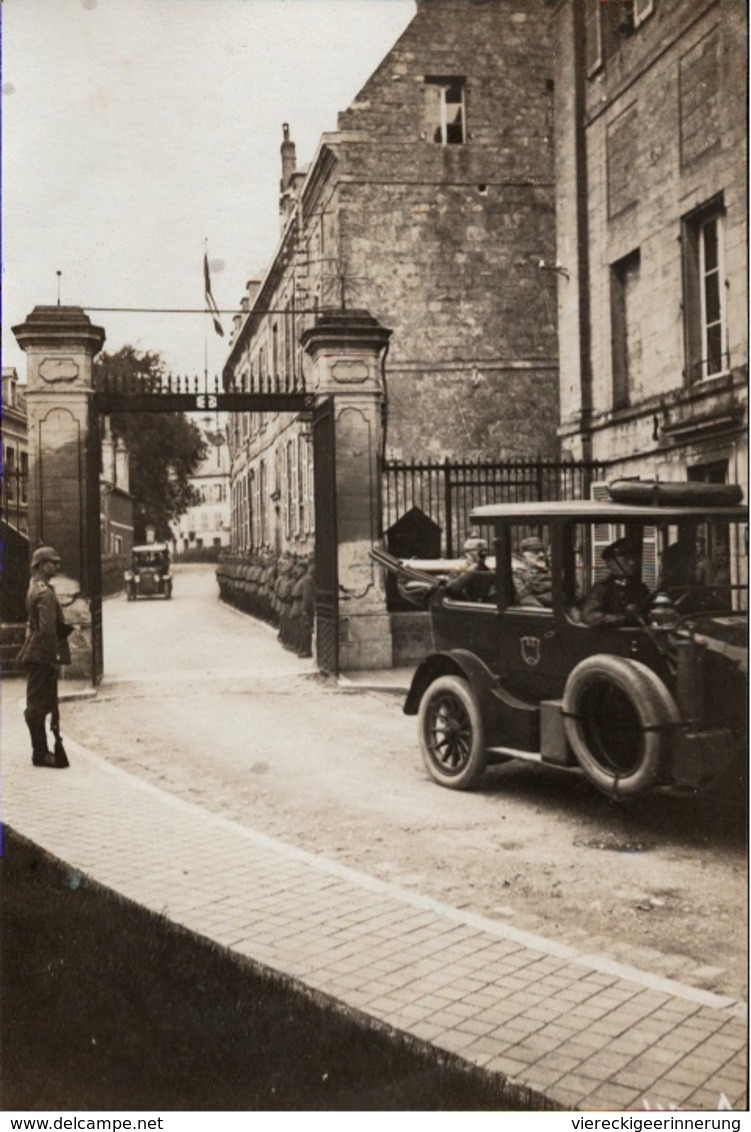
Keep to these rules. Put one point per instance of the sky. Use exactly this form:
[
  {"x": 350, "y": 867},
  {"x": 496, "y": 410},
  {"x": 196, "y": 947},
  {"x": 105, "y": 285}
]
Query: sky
[{"x": 136, "y": 132}]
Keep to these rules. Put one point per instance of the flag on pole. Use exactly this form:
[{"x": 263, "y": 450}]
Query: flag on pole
[{"x": 211, "y": 306}]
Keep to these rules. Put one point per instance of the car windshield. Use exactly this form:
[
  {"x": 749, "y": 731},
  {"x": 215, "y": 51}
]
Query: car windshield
[
  {"x": 699, "y": 564},
  {"x": 153, "y": 558}
]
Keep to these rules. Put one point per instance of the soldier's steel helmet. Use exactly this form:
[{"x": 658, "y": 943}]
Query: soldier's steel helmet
[{"x": 44, "y": 554}]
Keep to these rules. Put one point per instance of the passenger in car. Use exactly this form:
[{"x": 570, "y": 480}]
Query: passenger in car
[
  {"x": 533, "y": 582},
  {"x": 474, "y": 579}
]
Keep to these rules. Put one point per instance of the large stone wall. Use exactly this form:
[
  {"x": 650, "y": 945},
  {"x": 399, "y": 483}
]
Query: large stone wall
[{"x": 444, "y": 243}]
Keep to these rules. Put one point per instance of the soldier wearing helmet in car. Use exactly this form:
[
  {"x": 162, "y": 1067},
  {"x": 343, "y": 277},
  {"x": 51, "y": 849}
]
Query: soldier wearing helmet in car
[
  {"x": 620, "y": 598},
  {"x": 474, "y": 578}
]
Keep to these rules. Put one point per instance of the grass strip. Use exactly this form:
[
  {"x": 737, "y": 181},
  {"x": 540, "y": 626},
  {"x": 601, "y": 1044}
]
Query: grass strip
[{"x": 106, "y": 1005}]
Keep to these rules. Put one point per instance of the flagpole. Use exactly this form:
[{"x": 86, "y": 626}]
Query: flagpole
[{"x": 205, "y": 335}]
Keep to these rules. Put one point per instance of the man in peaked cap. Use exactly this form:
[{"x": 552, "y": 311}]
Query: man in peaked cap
[
  {"x": 44, "y": 649},
  {"x": 620, "y": 598}
]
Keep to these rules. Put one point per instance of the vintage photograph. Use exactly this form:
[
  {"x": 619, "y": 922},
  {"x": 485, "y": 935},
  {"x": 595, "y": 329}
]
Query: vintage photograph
[{"x": 374, "y": 561}]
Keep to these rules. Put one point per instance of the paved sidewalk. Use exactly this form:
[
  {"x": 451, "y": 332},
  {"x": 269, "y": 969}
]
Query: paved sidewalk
[{"x": 579, "y": 1028}]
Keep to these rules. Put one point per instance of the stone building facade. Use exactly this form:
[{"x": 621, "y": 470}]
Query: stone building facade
[
  {"x": 432, "y": 208},
  {"x": 15, "y": 495},
  {"x": 116, "y": 502},
  {"x": 204, "y": 530},
  {"x": 651, "y": 183}
]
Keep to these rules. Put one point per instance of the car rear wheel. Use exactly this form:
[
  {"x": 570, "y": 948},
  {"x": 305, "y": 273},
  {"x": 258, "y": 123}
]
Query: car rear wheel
[
  {"x": 452, "y": 735},
  {"x": 618, "y": 719}
]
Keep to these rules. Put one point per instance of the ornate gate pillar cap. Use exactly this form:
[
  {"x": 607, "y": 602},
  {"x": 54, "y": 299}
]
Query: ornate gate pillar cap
[
  {"x": 66, "y": 327},
  {"x": 345, "y": 330}
]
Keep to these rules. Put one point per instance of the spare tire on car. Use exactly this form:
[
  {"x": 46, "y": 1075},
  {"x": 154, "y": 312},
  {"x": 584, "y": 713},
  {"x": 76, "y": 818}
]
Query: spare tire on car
[{"x": 619, "y": 718}]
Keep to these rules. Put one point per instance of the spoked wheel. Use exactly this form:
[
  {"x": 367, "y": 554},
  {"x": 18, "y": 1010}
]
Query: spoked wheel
[{"x": 452, "y": 736}]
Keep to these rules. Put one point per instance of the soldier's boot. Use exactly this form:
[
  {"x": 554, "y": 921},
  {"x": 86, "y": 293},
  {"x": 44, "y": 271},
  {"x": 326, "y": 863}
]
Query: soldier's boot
[{"x": 41, "y": 755}]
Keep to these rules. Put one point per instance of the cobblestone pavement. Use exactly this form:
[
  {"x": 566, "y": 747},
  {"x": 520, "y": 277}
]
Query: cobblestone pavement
[{"x": 576, "y": 1026}]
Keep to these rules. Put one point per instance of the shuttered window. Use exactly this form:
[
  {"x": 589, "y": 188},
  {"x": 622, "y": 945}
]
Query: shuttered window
[
  {"x": 602, "y": 534},
  {"x": 704, "y": 304}
]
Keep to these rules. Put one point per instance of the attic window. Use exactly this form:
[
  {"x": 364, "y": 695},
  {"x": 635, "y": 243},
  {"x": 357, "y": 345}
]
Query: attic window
[{"x": 444, "y": 110}]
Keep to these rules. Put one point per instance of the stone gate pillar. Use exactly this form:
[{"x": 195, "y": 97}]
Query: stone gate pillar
[
  {"x": 60, "y": 344},
  {"x": 346, "y": 349}
]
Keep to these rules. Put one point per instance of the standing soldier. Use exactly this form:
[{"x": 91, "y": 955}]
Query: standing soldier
[
  {"x": 308, "y": 615},
  {"x": 296, "y": 607},
  {"x": 285, "y": 595},
  {"x": 269, "y": 611},
  {"x": 44, "y": 649}
]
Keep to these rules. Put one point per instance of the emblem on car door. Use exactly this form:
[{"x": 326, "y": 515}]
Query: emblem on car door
[{"x": 530, "y": 650}]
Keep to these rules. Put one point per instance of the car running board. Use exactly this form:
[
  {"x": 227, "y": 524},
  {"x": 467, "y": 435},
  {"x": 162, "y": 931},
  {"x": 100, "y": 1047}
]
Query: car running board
[
  {"x": 533, "y": 757},
  {"x": 514, "y": 753}
]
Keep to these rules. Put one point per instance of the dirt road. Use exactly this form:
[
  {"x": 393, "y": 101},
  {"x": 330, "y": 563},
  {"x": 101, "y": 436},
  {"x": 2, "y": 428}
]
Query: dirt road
[{"x": 204, "y": 702}]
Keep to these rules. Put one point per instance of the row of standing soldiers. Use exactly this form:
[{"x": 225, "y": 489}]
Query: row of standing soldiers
[
  {"x": 281, "y": 592},
  {"x": 295, "y": 594}
]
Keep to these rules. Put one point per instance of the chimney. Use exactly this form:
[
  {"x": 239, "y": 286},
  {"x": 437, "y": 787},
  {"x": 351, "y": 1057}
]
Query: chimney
[
  {"x": 108, "y": 454},
  {"x": 289, "y": 161},
  {"x": 289, "y": 165},
  {"x": 122, "y": 469}
]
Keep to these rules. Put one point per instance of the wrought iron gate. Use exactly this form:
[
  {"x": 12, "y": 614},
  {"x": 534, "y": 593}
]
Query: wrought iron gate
[{"x": 327, "y": 570}]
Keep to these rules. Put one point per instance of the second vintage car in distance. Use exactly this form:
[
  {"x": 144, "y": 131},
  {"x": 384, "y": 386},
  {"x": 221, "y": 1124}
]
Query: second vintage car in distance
[{"x": 150, "y": 573}]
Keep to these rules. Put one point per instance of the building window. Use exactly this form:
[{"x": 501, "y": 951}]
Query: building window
[
  {"x": 625, "y": 326},
  {"x": 715, "y": 471},
  {"x": 594, "y": 35},
  {"x": 253, "y": 505},
  {"x": 608, "y": 23},
  {"x": 704, "y": 284},
  {"x": 10, "y": 472},
  {"x": 262, "y": 497},
  {"x": 444, "y": 110},
  {"x": 293, "y": 488},
  {"x": 642, "y": 9}
]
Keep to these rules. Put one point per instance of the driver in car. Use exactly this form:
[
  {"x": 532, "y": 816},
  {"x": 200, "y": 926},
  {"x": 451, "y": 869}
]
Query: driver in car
[{"x": 620, "y": 598}]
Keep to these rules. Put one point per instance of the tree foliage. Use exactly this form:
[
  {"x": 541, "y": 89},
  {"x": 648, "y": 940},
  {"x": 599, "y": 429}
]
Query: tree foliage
[{"x": 165, "y": 449}]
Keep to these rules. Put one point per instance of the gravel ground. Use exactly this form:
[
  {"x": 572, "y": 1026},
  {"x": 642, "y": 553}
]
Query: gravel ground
[{"x": 204, "y": 702}]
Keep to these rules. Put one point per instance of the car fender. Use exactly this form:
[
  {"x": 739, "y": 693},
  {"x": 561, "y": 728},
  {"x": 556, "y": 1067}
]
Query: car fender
[{"x": 455, "y": 662}]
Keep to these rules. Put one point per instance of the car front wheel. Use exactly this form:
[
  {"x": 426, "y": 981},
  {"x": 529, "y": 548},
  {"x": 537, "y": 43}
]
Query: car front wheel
[{"x": 452, "y": 735}]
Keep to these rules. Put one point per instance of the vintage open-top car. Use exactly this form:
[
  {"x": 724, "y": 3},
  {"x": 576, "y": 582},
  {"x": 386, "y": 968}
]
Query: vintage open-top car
[
  {"x": 657, "y": 704},
  {"x": 149, "y": 574}
]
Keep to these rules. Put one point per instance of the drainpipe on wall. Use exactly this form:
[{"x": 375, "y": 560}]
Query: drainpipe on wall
[{"x": 582, "y": 224}]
